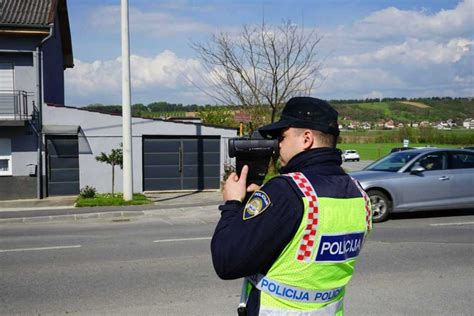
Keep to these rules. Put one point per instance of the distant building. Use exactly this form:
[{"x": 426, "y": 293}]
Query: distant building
[
  {"x": 443, "y": 126},
  {"x": 353, "y": 125},
  {"x": 424, "y": 124},
  {"x": 468, "y": 123},
  {"x": 365, "y": 125},
  {"x": 389, "y": 124},
  {"x": 451, "y": 123}
]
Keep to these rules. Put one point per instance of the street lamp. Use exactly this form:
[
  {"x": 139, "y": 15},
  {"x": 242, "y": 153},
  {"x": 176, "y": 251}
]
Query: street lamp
[{"x": 126, "y": 111}]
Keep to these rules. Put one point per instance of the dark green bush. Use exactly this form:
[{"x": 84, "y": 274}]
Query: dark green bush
[{"x": 88, "y": 192}]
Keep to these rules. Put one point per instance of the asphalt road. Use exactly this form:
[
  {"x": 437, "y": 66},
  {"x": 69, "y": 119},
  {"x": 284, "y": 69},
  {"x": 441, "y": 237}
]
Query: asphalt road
[
  {"x": 419, "y": 264},
  {"x": 356, "y": 165}
]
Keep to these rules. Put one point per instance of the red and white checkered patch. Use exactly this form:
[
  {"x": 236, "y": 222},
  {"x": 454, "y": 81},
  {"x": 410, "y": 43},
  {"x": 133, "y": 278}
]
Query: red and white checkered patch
[
  {"x": 307, "y": 243},
  {"x": 368, "y": 208}
]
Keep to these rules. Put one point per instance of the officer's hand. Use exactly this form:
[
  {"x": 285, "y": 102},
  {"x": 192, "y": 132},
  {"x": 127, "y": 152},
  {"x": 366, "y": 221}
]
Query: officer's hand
[
  {"x": 253, "y": 187},
  {"x": 235, "y": 186}
]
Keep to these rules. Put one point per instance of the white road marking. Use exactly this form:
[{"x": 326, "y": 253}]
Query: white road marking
[
  {"x": 40, "y": 248},
  {"x": 165, "y": 221},
  {"x": 183, "y": 239},
  {"x": 453, "y": 224}
]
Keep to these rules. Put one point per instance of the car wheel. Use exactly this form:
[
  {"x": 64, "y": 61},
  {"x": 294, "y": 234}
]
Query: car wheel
[
  {"x": 357, "y": 159},
  {"x": 381, "y": 206}
]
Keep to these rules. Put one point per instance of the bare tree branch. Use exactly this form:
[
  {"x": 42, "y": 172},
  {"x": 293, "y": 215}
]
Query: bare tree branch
[{"x": 263, "y": 67}]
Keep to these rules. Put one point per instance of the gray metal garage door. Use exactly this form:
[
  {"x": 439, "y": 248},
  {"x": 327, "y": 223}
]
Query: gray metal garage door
[
  {"x": 62, "y": 165},
  {"x": 181, "y": 163}
]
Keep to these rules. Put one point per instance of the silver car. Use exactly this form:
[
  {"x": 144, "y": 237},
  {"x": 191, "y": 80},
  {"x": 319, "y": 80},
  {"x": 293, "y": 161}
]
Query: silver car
[{"x": 419, "y": 179}]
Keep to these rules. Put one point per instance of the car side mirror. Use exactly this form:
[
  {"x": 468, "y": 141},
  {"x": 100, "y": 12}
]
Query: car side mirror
[{"x": 417, "y": 169}]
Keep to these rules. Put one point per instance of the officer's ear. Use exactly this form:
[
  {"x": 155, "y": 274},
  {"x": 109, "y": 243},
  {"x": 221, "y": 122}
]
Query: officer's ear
[{"x": 308, "y": 139}]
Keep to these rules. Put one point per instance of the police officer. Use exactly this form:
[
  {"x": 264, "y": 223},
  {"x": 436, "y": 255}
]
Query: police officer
[{"x": 297, "y": 237}]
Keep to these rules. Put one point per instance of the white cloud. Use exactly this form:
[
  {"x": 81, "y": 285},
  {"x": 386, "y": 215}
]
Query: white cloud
[
  {"x": 357, "y": 81},
  {"x": 88, "y": 78},
  {"x": 374, "y": 95},
  {"x": 152, "y": 23},
  {"x": 165, "y": 71},
  {"x": 411, "y": 52},
  {"x": 392, "y": 22},
  {"x": 402, "y": 53}
]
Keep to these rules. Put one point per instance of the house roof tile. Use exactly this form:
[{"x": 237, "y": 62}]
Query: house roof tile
[{"x": 35, "y": 13}]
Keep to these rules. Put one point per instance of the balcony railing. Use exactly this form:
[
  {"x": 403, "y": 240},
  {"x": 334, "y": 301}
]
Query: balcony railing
[{"x": 14, "y": 105}]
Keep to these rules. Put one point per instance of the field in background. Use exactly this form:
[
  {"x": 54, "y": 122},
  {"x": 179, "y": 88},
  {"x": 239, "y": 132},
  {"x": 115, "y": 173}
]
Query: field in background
[
  {"x": 426, "y": 136},
  {"x": 417, "y": 104},
  {"x": 376, "y": 151}
]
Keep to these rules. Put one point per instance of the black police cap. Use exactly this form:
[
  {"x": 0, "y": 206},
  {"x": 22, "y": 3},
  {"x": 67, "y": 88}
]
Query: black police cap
[{"x": 304, "y": 112}]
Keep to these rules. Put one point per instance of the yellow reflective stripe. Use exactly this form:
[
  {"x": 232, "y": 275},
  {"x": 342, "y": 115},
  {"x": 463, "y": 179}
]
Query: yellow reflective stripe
[{"x": 329, "y": 310}]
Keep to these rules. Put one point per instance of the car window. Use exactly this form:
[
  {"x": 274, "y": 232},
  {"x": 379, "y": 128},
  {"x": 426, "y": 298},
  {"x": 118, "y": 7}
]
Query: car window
[
  {"x": 461, "y": 160},
  {"x": 432, "y": 161},
  {"x": 393, "y": 162}
]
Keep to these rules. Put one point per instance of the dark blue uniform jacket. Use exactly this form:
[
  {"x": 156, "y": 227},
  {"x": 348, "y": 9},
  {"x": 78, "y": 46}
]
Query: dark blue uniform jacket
[{"x": 242, "y": 248}]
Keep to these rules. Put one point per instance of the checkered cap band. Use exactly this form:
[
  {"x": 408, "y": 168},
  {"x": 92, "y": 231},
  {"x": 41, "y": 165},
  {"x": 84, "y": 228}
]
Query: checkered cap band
[{"x": 307, "y": 242}]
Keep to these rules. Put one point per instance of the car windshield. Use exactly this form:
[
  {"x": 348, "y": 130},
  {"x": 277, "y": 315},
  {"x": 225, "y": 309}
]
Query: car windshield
[
  {"x": 393, "y": 162},
  {"x": 351, "y": 152}
]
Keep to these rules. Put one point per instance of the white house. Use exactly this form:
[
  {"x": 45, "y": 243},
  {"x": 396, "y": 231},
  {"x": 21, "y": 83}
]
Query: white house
[{"x": 468, "y": 123}]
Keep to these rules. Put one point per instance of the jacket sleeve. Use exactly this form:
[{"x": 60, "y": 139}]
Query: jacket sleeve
[{"x": 245, "y": 247}]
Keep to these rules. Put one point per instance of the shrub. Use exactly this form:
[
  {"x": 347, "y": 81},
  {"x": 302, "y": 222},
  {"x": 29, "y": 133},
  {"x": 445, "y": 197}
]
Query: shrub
[{"x": 88, "y": 192}]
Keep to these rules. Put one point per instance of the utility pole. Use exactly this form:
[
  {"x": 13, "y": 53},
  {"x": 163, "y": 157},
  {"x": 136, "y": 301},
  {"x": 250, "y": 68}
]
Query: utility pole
[{"x": 126, "y": 111}]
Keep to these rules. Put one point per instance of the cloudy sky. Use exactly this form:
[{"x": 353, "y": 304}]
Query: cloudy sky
[{"x": 369, "y": 48}]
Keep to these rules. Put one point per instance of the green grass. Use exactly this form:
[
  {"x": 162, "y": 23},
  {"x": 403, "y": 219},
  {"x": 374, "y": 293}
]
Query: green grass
[
  {"x": 109, "y": 200},
  {"x": 384, "y": 106},
  {"x": 378, "y": 150}
]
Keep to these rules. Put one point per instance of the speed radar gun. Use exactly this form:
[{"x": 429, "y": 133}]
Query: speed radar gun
[{"x": 255, "y": 152}]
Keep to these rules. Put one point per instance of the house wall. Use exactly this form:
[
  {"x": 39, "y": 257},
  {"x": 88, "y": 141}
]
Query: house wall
[
  {"x": 24, "y": 141},
  {"x": 53, "y": 68},
  {"x": 24, "y": 73},
  {"x": 24, "y": 63},
  {"x": 104, "y": 132},
  {"x": 20, "y": 184},
  {"x": 19, "y": 43}
]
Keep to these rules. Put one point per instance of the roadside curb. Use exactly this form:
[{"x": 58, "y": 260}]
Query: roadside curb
[
  {"x": 70, "y": 217},
  {"x": 178, "y": 212},
  {"x": 39, "y": 208}
]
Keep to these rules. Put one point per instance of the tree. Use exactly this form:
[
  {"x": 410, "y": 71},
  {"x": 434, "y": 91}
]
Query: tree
[
  {"x": 138, "y": 108},
  {"x": 218, "y": 115},
  {"x": 264, "y": 66},
  {"x": 114, "y": 158}
]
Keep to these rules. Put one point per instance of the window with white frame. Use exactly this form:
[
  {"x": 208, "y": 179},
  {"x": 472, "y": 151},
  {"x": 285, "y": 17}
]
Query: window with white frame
[{"x": 5, "y": 157}]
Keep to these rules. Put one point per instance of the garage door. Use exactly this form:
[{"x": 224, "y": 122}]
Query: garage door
[
  {"x": 63, "y": 165},
  {"x": 181, "y": 163}
]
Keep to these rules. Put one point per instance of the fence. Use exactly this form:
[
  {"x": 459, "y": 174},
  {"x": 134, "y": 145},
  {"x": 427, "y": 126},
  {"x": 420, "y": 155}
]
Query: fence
[{"x": 14, "y": 105}]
